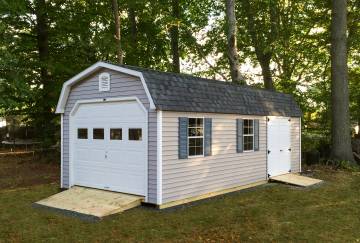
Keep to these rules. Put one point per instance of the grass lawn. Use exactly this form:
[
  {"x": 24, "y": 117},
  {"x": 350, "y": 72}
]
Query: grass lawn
[{"x": 272, "y": 212}]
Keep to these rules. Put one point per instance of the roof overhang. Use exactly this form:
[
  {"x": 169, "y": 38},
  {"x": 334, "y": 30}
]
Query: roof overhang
[{"x": 65, "y": 91}]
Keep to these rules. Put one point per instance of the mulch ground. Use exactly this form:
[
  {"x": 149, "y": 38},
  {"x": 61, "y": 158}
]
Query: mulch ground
[{"x": 28, "y": 170}]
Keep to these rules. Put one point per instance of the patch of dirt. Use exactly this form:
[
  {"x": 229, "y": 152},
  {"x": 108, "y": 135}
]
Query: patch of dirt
[{"x": 29, "y": 170}]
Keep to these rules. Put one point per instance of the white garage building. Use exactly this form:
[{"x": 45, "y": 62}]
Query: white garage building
[{"x": 171, "y": 137}]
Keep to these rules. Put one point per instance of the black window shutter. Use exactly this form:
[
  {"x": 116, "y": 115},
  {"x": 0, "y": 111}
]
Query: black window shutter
[
  {"x": 183, "y": 137},
  {"x": 239, "y": 135},
  {"x": 256, "y": 135},
  {"x": 207, "y": 136}
]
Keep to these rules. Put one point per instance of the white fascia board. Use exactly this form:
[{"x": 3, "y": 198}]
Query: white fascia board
[{"x": 67, "y": 85}]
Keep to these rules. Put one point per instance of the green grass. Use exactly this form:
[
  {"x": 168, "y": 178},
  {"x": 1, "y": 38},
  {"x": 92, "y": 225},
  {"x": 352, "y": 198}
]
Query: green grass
[{"x": 274, "y": 212}]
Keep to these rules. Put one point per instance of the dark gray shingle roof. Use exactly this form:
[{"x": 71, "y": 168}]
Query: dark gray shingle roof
[{"x": 181, "y": 92}]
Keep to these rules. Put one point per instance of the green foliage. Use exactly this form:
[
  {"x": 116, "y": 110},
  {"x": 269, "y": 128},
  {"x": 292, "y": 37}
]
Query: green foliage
[
  {"x": 344, "y": 165},
  {"x": 81, "y": 32},
  {"x": 313, "y": 141}
]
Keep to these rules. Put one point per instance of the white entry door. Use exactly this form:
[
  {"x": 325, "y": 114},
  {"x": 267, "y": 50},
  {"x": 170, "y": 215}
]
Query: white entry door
[
  {"x": 109, "y": 146},
  {"x": 279, "y": 145}
]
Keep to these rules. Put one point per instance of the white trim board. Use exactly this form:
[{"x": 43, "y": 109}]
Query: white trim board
[
  {"x": 300, "y": 145},
  {"x": 62, "y": 151},
  {"x": 159, "y": 158},
  {"x": 65, "y": 91}
]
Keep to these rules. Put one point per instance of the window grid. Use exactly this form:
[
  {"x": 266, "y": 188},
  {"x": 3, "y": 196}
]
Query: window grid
[
  {"x": 196, "y": 137},
  {"x": 248, "y": 135}
]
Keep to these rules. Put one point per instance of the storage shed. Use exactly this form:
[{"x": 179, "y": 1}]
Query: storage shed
[{"x": 173, "y": 138}]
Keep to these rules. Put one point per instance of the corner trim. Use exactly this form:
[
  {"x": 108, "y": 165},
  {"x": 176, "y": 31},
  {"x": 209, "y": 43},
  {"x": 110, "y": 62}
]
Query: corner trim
[
  {"x": 65, "y": 91},
  {"x": 300, "y": 146},
  {"x": 159, "y": 159},
  {"x": 61, "y": 151}
]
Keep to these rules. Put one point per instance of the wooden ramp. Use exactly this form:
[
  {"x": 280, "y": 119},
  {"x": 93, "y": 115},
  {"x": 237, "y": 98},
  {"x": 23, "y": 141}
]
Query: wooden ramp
[
  {"x": 296, "y": 180},
  {"x": 91, "y": 202}
]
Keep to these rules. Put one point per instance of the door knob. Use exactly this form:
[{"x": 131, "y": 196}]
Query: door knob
[{"x": 281, "y": 150}]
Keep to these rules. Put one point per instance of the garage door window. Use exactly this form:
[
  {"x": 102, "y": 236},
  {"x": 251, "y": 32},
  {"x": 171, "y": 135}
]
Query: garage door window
[
  {"x": 82, "y": 133},
  {"x": 115, "y": 134},
  {"x": 135, "y": 134},
  {"x": 98, "y": 133}
]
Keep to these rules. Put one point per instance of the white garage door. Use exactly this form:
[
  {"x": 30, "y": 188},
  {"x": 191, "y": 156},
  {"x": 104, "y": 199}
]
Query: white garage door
[
  {"x": 109, "y": 146},
  {"x": 279, "y": 146}
]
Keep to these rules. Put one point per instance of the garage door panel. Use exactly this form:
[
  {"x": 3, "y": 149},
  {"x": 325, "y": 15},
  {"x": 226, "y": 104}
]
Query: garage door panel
[
  {"x": 126, "y": 111},
  {"x": 104, "y": 170},
  {"x": 126, "y": 166},
  {"x": 112, "y": 180},
  {"x": 133, "y": 155},
  {"x": 111, "y": 164},
  {"x": 118, "y": 188},
  {"x": 98, "y": 159},
  {"x": 89, "y": 155}
]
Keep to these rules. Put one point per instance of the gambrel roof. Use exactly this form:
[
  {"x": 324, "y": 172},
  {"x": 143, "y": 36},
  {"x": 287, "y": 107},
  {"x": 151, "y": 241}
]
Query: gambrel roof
[{"x": 180, "y": 92}]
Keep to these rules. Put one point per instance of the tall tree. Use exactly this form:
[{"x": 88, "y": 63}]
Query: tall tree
[
  {"x": 232, "y": 51},
  {"x": 119, "y": 52},
  {"x": 133, "y": 35},
  {"x": 174, "y": 36},
  {"x": 45, "y": 114},
  {"x": 262, "y": 40},
  {"x": 341, "y": 138}
]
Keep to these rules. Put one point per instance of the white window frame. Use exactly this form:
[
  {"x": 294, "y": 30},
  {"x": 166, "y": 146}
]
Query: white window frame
[
  {"x": 248, "y": 135},
  {"x": 203, "y": 137}
]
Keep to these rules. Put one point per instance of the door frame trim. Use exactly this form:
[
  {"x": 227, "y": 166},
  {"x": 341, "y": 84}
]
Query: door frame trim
[{"x": 72, "y": 134}]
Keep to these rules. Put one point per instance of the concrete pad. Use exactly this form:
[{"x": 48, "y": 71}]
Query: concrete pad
[
  {"x": 295, "y": 179},
  {"x": 91, "y": 202}
]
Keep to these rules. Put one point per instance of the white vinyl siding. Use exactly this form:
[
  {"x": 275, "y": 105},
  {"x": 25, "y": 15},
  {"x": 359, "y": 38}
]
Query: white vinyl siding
[
  {"x": 295, "y": 131},
  {"x": 226, "y": 168}
]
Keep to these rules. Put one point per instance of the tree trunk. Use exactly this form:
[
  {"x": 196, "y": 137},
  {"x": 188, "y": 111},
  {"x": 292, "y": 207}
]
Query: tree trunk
[
  {"x": 264, "y": 60},
  {"x": 260, "y": 44},
  {"x": 341, "y": 138},
  {"x": 232, "y": 51},
  {"x": 42, "y": 39},
  {"x": 133, "y": 29},
  {"x": 43, "y": 119},
  {"x": 174, "y": 34},
  {"x": 119, "y": 52}
]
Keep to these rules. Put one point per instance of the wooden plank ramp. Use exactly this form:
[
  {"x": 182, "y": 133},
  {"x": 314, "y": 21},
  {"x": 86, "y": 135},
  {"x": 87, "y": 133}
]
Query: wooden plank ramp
[
  {"x": 295, "y": 179},
  {"x": 91, "y": 202}
]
